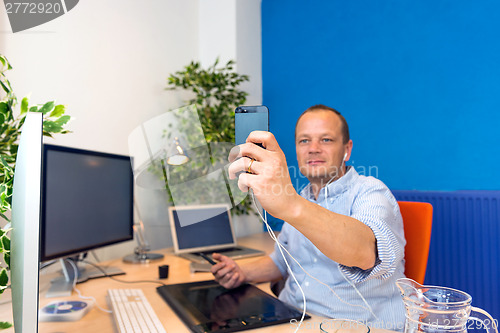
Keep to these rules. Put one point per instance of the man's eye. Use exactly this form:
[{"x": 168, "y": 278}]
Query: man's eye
[
  {"x": 327, "y": 140},
  {"x": 304, "y": 141}
]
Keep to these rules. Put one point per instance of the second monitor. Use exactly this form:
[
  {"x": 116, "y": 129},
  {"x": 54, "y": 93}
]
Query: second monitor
[{"x": 87, "y": 203}]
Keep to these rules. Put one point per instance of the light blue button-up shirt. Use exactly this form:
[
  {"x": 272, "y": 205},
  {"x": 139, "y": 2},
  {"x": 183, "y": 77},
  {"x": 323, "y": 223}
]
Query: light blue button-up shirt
[{"x": 368, "y": 200}]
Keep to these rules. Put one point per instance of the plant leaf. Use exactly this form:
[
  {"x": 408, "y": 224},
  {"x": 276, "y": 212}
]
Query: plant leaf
[
  {"x": 6, "y": 258},
  {"x": 4, "y": 325},
  {"x": 24, "y": 105},
  {"x": 47, "y": 107},
  {"x": 63, "y": 120},
  {"x": 7, "y": 90},
  {"x": 4, "y": 217},
  {"x": 51, "y": 127},
  {"x": 6, "y": 242},
  {"x": 58, "y": 111},
  {"x": 4, "y": 61},
  {"x": 4, "y": 108},
  {"x": 4, "y": 277}
]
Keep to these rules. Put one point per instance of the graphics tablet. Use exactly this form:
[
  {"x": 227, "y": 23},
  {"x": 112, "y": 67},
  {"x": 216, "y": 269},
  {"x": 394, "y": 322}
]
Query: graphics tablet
[{"x": 206, "y": 306}]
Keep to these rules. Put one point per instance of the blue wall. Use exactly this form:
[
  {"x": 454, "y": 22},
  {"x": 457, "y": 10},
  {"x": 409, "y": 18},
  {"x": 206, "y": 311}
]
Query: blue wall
[{"x": 418, "y": 82}]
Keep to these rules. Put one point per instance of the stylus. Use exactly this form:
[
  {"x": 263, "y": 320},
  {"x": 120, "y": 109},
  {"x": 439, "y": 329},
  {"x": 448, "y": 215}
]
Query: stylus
[{"x": 207, "y": 258}]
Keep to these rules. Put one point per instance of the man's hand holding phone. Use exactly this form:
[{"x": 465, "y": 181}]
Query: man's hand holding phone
[{"x": 268, "y": 178}]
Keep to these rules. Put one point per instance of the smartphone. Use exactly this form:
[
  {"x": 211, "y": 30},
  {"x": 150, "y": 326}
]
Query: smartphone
[{"x": 248, "y": 119}]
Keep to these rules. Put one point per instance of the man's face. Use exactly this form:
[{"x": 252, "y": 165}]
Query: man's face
[{"x": 320, "y": 148}]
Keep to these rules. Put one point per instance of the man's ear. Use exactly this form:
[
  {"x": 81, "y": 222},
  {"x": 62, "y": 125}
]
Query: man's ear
[{"x": 348, "y": 148}]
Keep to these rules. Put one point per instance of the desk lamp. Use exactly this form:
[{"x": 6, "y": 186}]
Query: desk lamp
[
  {"x": 175, "y": 156},
  {"x": 141, "y": 254}
]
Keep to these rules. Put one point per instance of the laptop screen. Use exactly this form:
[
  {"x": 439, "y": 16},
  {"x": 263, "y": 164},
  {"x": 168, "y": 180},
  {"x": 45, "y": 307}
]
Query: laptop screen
[{"x": 201, "y": 228}]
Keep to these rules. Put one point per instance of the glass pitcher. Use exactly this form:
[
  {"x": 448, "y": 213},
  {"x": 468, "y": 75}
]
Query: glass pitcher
[{"x": 431, "y": 309}]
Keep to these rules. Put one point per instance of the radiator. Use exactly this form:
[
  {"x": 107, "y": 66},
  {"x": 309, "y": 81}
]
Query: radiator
[{"x": 465, "y": 243}]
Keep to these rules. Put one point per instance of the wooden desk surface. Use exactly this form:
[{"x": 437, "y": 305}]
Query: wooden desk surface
[{"x": 98, "y": 321}]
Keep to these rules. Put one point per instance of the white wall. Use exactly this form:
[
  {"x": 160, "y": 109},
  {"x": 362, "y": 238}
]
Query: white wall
[
  {"x": 242, "y": 42},
  {"x": 108, "y": 61}
]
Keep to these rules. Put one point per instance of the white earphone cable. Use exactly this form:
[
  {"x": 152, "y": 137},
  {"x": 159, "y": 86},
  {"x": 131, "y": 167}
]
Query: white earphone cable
[
  {"x": 273, "y": 236},
  {"x": 75, "y": 278},
  {"x": 281, "y": 247}
]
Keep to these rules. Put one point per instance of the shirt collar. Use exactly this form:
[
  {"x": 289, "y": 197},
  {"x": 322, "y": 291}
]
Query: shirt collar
[{"x": 334, "y": 188}]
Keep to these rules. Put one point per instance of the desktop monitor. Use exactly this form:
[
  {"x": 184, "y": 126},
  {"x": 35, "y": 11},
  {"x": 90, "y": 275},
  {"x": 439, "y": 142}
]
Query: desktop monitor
[
  {"x": 87, "y": 203},
  {"x": 24, "y": 261}
]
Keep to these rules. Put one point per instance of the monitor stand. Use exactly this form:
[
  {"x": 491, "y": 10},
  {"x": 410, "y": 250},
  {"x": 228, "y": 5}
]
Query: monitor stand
[{"x": 63, "y": 286}]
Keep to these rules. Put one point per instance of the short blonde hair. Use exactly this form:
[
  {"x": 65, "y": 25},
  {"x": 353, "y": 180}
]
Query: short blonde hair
[{"x": 321, "y": 107}]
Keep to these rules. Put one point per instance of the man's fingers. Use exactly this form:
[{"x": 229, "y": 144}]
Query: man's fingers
[
  {"x": 244, "y": 181},
  {"x": 233, "y": 282},
  {"x": 236, "y": 167},
  {"x": 227, "y": 278},
  {"x": 226, "y": 272},
  {"x": 215, "y": 269},
  {"x": 218, "y": 256},
  {"x": 248, "y": 149},
  {"x": 234, "y": 153},
  {"x": 264, "y": 138},
  {"x": 267, "y": 139},
  {"x": 243, "y": 164},
  {"x": 223, "y": 270}
]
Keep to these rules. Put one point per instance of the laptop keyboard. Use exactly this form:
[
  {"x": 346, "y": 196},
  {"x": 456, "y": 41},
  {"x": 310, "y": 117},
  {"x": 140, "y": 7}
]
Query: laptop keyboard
[
  {"x": 235, "y": 252},
  {"x": 222, "y": 251}
]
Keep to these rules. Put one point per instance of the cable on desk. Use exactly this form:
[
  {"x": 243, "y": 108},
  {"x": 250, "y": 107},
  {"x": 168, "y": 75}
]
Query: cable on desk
[
  {"x": 47, "y": 264},
  {"x": 122, "y": 281},
  {"x": 75, "y": 278}
]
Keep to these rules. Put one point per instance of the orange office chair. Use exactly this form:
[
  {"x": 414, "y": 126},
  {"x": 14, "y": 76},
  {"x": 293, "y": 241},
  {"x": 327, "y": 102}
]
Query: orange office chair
[{"x": 417, "y": 221}]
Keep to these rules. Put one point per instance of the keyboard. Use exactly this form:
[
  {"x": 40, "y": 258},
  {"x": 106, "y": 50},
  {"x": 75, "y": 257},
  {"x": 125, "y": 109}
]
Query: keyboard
[{"x": 132, "y": 312}]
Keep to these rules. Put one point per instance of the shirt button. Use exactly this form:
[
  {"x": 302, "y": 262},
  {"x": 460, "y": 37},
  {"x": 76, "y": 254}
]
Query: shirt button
[
  {"x": 306, "y": 284},
  {"x": 315, "y": 260}
]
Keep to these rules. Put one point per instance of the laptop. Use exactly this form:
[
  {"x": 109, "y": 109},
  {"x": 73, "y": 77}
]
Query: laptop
[{"x": 205, "y": 229}]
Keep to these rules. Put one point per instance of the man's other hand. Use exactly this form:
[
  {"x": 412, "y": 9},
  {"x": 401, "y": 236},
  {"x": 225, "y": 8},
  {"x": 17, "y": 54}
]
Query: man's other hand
[{"x": 226, "y": 272}]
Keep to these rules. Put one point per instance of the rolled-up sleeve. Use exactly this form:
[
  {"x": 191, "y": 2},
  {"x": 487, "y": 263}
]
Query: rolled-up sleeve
[{"x": 377, "y": 208}]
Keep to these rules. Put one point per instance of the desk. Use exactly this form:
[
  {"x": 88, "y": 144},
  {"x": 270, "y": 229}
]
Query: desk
[{"x": 97, "y": 321}]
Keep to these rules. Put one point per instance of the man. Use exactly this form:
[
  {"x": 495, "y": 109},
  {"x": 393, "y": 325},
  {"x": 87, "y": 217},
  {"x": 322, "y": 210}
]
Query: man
[{"x": 344, "y": 229}]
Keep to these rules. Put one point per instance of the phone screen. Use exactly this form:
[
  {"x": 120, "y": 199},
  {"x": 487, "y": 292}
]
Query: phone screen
[{"x": 249, "y": 119}]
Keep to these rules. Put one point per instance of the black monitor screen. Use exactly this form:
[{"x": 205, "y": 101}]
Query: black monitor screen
[{"x": 87, "y": 201}]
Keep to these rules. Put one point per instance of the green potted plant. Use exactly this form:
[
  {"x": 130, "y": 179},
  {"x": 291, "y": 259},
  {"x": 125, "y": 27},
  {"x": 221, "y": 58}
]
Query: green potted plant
[
  {"x": 11, "y": 122},
  {"x": 216, "y": 94}
]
